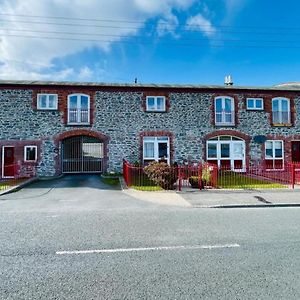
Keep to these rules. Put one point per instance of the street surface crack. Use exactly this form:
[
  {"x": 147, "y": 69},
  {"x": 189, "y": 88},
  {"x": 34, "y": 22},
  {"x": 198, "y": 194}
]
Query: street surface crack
[{"x": 261, "y": 199}]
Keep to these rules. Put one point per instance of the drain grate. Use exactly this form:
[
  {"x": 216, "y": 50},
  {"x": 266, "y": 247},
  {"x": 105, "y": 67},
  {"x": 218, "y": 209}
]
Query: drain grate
[{"x": 261, "y": 199}]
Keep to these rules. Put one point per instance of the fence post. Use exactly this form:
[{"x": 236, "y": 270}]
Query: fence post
[
  {"x": 200, "y": 176},
  {"x": 179, "y": 179},
  {"x": 293, "y": 170}
]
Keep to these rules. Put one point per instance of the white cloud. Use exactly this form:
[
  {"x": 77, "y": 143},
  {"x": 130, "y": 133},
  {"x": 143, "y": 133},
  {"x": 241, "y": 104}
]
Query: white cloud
[
  {"x": 200, "y": 23},
  {"x": 167, "y": 25},
  {"x": 35, "y": 58}
]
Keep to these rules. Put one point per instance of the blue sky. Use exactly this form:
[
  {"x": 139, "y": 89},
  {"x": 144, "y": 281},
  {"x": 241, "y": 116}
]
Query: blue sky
[{"x": 155, "y": 41}]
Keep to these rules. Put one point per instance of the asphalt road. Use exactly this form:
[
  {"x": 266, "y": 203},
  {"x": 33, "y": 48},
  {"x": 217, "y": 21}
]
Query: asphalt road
[{"x": 141, "y": 250}]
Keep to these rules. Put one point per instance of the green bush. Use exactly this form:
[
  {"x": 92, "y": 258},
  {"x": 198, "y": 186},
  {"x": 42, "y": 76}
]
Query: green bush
[
  {"x": 194, "y": 181},
  {"x": 161, "y": 174},
  {"x": 205, "y": 178}
]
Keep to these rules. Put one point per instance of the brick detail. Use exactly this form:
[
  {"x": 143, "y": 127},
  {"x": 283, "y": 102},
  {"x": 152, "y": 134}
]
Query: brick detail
[
  {"x": 236, "y": 109},
  {"x": 79, "y": 132},
  {"x": 235, "y": 133},
  {"x": 19, "y": 152},
  {"x": 63, "y": 100},
  {"x": 156, "y": 93}
]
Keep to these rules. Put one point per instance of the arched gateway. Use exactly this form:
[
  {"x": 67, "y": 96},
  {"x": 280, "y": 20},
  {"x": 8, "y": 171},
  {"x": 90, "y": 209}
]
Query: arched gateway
[{"x": 83, "y": 152}]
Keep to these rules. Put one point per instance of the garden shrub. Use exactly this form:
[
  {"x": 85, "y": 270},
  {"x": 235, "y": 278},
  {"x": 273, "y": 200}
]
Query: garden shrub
[{"x": 161, "y": 174}]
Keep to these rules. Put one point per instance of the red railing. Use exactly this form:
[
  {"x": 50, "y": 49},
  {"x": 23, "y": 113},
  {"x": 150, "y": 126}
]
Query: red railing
[
  {"x": 259, "y": 177},
  {"x": 13, "y": 175},
  {"x": 184, "y": 176},
  {"x": 206, "y": 176}
]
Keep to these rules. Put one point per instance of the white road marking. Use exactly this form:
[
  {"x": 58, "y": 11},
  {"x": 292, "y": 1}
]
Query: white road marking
[{"x": 210, "y": 247}]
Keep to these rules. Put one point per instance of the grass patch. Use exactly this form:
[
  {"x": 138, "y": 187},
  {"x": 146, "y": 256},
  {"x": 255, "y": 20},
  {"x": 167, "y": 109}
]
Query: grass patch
[
  {"x": 10, "y": 183},
  {"x": 114, "y": 181},
  {"x": 147, "y": 188},
  {"x": 232, "y": 180}
]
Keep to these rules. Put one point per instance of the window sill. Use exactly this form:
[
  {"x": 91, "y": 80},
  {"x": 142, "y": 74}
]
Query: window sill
[
  {"x": 282, "y": 125},
  {"x": 224, "y": 124},
  {"x": 78, "y": 124},
  {"x": 155, "y": 111}
]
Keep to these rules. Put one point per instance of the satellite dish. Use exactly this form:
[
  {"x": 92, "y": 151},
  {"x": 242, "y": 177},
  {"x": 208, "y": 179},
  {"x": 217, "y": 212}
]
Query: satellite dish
[{"x": 260, "y": 139}]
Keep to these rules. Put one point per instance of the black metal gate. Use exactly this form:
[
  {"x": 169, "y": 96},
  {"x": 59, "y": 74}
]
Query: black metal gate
[{"x": 82, "y": 154}]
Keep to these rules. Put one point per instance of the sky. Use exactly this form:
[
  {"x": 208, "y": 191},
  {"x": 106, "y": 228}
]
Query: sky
[{"x": 257, "y": 42}]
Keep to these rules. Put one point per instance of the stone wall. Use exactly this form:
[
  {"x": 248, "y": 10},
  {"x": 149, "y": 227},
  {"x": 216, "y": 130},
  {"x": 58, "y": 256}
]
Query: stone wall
[{"x": 120, "y": 115}]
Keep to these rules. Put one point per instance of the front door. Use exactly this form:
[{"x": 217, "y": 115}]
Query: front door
[
  {"x": 296, "y": 151},
  {"x": 8, "y": 159}
]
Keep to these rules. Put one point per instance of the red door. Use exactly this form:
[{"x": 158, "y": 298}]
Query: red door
[
  {"x": 296, "y": 151},
  {"x": 8, "y": 161}
]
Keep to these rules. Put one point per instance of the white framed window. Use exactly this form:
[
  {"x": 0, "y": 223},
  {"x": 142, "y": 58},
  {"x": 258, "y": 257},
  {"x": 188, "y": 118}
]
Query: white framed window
[
  {"x": 227, "y": 152},
  {"x": 78, "y": 109},
  {"x": 156, "y": 149},
  {"x": 274, "y": 154},
  {"x": 47, "y": 101},
  {"x": 30, "y": 153},
  {"x": 255, "y": 103},
  {"x": 224, "y": 111},
  {"x": 281, "y": 113},
  {"x": 155, "y": 103}
]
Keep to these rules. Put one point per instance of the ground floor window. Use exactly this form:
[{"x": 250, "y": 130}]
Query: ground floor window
[
  {"x": 226, "y": 152},
  {"x": 30, "y": 153},
  {"x": 156, "y": 149},
  {"x": 274, "y": 154}
]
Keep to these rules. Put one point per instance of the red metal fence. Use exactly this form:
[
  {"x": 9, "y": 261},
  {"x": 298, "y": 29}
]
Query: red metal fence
[
  {"x": 187, "y": 176},
  {"x": 207, "y": 176},
  {"x": 13, "y": 175}
]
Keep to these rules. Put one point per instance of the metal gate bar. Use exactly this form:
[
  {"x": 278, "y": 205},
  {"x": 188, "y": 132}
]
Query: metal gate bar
[{"x": 82, "y": 154}]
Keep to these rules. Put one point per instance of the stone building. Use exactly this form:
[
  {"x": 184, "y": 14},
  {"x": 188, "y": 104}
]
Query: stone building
[{"x": 68, "y": 127}]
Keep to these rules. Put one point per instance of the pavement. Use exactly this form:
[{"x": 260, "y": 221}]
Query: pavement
[
  {"x": 242, "y": 198},
  {"x": 77, "y": 238}
]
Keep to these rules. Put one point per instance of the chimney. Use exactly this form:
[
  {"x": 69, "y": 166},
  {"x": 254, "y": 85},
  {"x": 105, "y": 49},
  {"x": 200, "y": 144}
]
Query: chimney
[{"x": 228, "y": 80}]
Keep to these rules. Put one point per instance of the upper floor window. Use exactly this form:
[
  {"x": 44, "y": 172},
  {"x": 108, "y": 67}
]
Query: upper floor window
[
  {"x": 156, "y": 149},
  {"x": 30, "y": 153},
  {"x": 255, "y": 103},
  {"x": 224, "y": 111},
  {"x": 155, "y": 103},
  {"x": 47, "y": 101},
  {"x": 281, "y": 113},
  {"x": 78, "y": 109},
  {"x": 274, "y": 154}
]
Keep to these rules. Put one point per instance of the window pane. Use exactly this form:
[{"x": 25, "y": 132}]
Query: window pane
[
  {"x": 228, "y": 118},
  {"x": 218, "y": 105},
  {"x": 149, "y": 150},
  {"x": 162, "y": 150},
  {"x": 162, "y": 138},
  {"x": 278, "y": 149},
  {"x": 284, "y": 105},
  {"x": 238, "y": 150},
  {"x": 259, "y": 103},
  {"x": 228, "y": 105},
  {"x": 160, "y": 103},
  {"x": 218, "y": 118},
  {"x": 269, "y": 149},
  {"x": 211, "y": 150},
  {"x": 275, "y": 105},
  {"x": 52, "y": 101},
  {"x": 151, "y": 103},
  {"x": 250, "y": 103},
  {"x": 225, "y": 138},
  {"x": 73, "y": 102},
  {"x": 225, "y": 150},
  {"x": 42, "y": 101},
  {"x": 30, "y": 153},
  {"x": 84, "y": 102}
]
